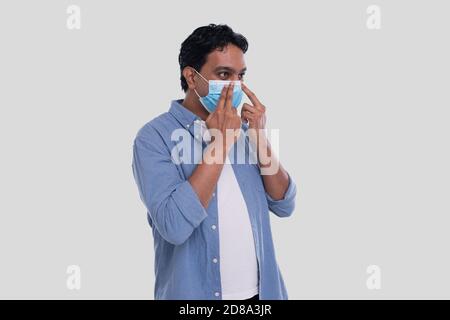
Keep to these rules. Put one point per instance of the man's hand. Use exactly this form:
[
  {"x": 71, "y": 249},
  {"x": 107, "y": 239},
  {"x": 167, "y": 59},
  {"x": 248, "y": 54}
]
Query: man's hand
[
  {"x": 225, "y": 117},
  {"x": 255, "y": 115},
  {"x": 225, "y": 120},
  {"x": 276, "y": 179}
]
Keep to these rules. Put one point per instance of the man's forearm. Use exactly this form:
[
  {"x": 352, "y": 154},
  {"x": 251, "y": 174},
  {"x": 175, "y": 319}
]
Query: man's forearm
[
  {"x": 275, "y": 183},
  {"x": 205, "y": 176}
]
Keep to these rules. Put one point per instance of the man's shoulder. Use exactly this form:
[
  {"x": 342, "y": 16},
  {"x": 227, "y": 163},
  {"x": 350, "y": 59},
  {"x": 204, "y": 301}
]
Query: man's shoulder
[
  {"x": 157, "y": 125},
  {"x": 154, "y": 134}
]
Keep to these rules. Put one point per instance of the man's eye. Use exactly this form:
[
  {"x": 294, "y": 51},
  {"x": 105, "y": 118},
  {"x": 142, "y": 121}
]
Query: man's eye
[
  {"x": 223, "y": 75},
  {"x": 241, "y": 76}
]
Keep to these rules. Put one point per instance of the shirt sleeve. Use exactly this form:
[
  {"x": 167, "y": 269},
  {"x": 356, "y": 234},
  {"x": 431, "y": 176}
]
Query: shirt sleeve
[
  {"x": 284, "y": 207},
  {"x": 171, "y": 202}
]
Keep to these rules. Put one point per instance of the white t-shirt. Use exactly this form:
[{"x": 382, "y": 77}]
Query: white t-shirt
[{"x": 238, "y": 262}]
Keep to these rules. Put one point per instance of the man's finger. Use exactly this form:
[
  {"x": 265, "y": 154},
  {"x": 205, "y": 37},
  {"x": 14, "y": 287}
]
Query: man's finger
[
  {"x": 229, "y": 100},
  {"x": 249, "y": 108},
  {"x": 250, "y": 95},
  {"x": 243, "y": 118},
  {"x": 247, "y": 115},
  {"x": 223, "y": 95}
]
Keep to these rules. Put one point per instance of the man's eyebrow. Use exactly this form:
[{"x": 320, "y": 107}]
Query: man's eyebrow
[{"x": 222, "y": 68}]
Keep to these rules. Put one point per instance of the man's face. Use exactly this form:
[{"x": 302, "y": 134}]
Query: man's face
[{"x": 226, "y": 64}]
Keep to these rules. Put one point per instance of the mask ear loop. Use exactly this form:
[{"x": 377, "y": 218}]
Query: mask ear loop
[
  {"x": 200, "y": 75},
  {"x": 203, "y": 79}
]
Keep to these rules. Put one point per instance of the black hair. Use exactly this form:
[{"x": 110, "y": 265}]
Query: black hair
[{"x": 203, "y": 41}]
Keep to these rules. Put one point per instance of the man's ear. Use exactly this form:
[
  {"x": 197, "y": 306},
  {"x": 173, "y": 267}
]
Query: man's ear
[{"x": 189, "y": 74}]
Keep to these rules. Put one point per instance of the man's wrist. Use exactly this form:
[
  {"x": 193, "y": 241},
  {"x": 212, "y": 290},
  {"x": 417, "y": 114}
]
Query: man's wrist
[{"x": 216, "y": 151}]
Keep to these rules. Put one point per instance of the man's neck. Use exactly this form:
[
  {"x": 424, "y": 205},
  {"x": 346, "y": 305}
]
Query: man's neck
[{"x": 193, "y": 104}]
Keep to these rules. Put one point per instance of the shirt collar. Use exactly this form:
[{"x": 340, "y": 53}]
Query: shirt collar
[
  {"x": 190, "y": 121},
  {"x": 182, "y": 114}
]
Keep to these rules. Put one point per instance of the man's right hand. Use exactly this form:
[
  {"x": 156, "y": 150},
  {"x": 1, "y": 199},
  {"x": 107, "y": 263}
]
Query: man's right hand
[
  {"x": 225, "y": 117},
  {"x": 225, "y": 120}
]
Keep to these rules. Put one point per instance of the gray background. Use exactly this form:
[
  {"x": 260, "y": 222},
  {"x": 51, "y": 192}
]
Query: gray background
[{"x": 363, "y": 117}]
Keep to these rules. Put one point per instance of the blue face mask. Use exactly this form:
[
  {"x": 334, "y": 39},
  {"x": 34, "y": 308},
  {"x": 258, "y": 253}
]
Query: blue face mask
[{"x": 215, "y": 89}]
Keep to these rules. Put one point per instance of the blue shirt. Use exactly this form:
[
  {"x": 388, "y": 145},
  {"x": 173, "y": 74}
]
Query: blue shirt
[{"x": 186, "y": 235}]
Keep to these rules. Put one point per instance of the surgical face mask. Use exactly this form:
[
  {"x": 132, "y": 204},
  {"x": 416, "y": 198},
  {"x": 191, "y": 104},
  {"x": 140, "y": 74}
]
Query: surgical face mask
[{"x": 215, "y": 89}]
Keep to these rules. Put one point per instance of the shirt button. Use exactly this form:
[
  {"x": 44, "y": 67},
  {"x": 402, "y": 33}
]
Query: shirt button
[
  {"x": 216, "y": 294},
  {"x": 215, "y": 260},
  {"x": 187, "y": 126},
  {"x": 213, "y": 227},
  {"x": 214, "y": 194},
  {"x": 197, "y": 136}
]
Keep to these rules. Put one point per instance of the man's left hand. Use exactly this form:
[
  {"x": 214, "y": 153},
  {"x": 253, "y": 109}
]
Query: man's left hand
[{"x": 254, "y": 114}]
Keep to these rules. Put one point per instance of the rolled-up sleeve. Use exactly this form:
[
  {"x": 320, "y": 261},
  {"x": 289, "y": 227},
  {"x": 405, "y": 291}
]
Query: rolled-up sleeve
[
  {"x": 171, "y": 202},
  {"x": 284, "y": 207}
]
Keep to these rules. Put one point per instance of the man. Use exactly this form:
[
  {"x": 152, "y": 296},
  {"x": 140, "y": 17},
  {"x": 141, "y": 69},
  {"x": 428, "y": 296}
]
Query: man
[{"x": 210, "y": 218}]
